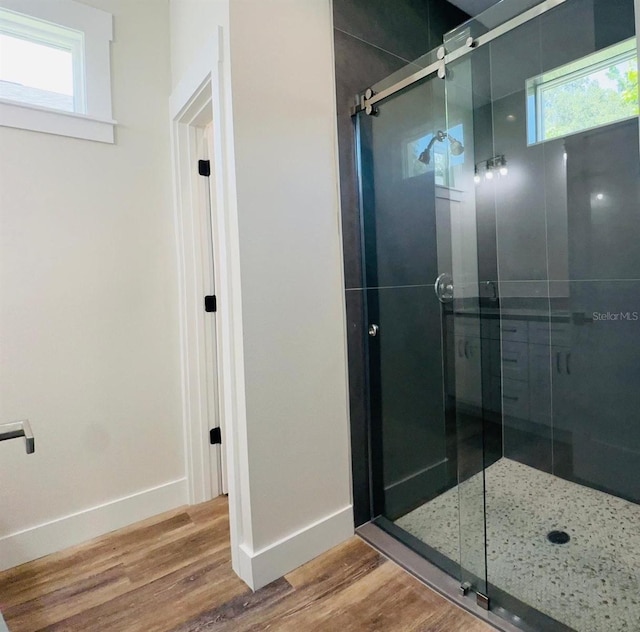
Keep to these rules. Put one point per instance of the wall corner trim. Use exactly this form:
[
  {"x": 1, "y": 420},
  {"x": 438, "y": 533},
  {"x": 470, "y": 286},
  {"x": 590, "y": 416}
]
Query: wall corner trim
[
  {"x": 61, "y": 533},
  {"x": 259, "y": 568}
]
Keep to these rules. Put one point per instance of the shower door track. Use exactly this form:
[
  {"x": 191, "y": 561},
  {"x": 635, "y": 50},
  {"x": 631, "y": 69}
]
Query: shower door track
[
  {"x": 369, "y": 98},
  {"x": 429, "y": 574},
  {"x": 449, "y": 587}
]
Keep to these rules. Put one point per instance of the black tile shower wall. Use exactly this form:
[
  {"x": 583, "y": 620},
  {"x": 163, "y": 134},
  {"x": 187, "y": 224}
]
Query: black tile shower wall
[
  {"x": 358, "y": 65},
  {"x": 406, "y": 28},
  {"x": 357, "y": 403},
  {"x": 373, "y": 39},
  {"x": 614, "y": 21}
]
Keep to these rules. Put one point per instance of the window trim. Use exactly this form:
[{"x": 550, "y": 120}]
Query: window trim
[{"x": 94, "y": 121}]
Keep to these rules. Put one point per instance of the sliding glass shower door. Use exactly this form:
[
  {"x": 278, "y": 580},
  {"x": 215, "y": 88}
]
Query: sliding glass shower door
[
  {"x": 501, "y": 220},
  {"x": 424, "y": 361},
  {"x": 550, "y": 98}
]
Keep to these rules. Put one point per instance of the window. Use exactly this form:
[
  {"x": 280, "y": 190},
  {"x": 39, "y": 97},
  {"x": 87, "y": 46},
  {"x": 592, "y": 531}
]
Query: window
[
  {"x": 55, "y": 68},
  {"x": 41, "y": 63},
  {"x": 596, "y": 90}
]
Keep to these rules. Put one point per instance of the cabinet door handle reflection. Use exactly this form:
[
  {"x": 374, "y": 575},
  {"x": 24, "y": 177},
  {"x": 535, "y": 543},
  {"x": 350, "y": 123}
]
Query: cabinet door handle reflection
[
  {"x": 558, "y": 368},
  {"x": 568, "y": 363}
]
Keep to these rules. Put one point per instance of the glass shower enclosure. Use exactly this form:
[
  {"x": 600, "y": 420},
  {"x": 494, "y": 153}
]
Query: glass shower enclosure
[{"x": 500, "y": 201}]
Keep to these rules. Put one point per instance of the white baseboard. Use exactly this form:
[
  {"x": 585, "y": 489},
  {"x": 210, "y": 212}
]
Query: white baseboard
[
  {"x": 261, "y": 567},
  {"x": 50, "y": 537}
]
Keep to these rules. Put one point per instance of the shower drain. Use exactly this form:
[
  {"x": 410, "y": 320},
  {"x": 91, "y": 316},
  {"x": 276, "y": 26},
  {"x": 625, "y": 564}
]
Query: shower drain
[{"x": 558, "y": 537}]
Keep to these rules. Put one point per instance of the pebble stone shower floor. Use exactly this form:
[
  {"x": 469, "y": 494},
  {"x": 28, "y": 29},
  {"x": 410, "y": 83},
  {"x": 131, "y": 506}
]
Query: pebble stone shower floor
[{"x": 591, "y": 583}]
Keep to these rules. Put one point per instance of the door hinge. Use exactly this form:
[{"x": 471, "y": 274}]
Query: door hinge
[
  {"x": 204, "y": 168},
  {"x": 215, "y": 436},
  {"x": 210, "y": 303}
]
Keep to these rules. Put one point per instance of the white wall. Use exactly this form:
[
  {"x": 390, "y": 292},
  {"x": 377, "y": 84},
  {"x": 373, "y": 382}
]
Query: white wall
[
  {"x": 193, "y": 22},
  {"x": 284, "y": 123},
  {"x": 292, "y": 495},
  {"x": 89, "y": 347}
]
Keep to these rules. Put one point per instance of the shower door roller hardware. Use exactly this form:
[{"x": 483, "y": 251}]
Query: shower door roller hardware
[
  {"x": 444, "y": 288},
  {"x": 17, "y": 429},
  {"x": 369, "y": 109},
  {"x": 373, "y": 330}
]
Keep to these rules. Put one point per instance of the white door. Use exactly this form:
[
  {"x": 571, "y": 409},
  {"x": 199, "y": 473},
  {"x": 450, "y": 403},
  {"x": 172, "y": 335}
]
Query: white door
[{"x": 213, "y": 392}]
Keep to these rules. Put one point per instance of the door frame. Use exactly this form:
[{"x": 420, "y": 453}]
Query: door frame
[
  {"x": 208, "y": 282},
  {"x": 197, "y": 362},
  {"x": 196, "y": 102},
  {"x": 202, "y": 95}
]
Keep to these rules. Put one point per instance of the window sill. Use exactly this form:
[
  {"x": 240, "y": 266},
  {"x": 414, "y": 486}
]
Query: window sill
[{"x": 49, "y": 121}]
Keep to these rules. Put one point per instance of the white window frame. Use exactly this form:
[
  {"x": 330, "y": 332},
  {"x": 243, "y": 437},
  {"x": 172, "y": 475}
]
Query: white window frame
[
  {"x": 537, "y": 86},
  {"x": 93, "y": 118}
]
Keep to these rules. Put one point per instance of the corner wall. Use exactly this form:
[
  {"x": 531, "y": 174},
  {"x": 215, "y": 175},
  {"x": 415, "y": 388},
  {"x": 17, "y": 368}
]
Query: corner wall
[
  {"x": 293, "y": 314},
  {"x": 292, "y": 499}
]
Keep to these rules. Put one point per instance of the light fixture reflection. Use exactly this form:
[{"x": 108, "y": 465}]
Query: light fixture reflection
[{"x": 496, "y": 166}]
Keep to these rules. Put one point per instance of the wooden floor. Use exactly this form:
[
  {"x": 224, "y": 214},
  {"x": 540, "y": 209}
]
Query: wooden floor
[{"x": 173, "y": 573}]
